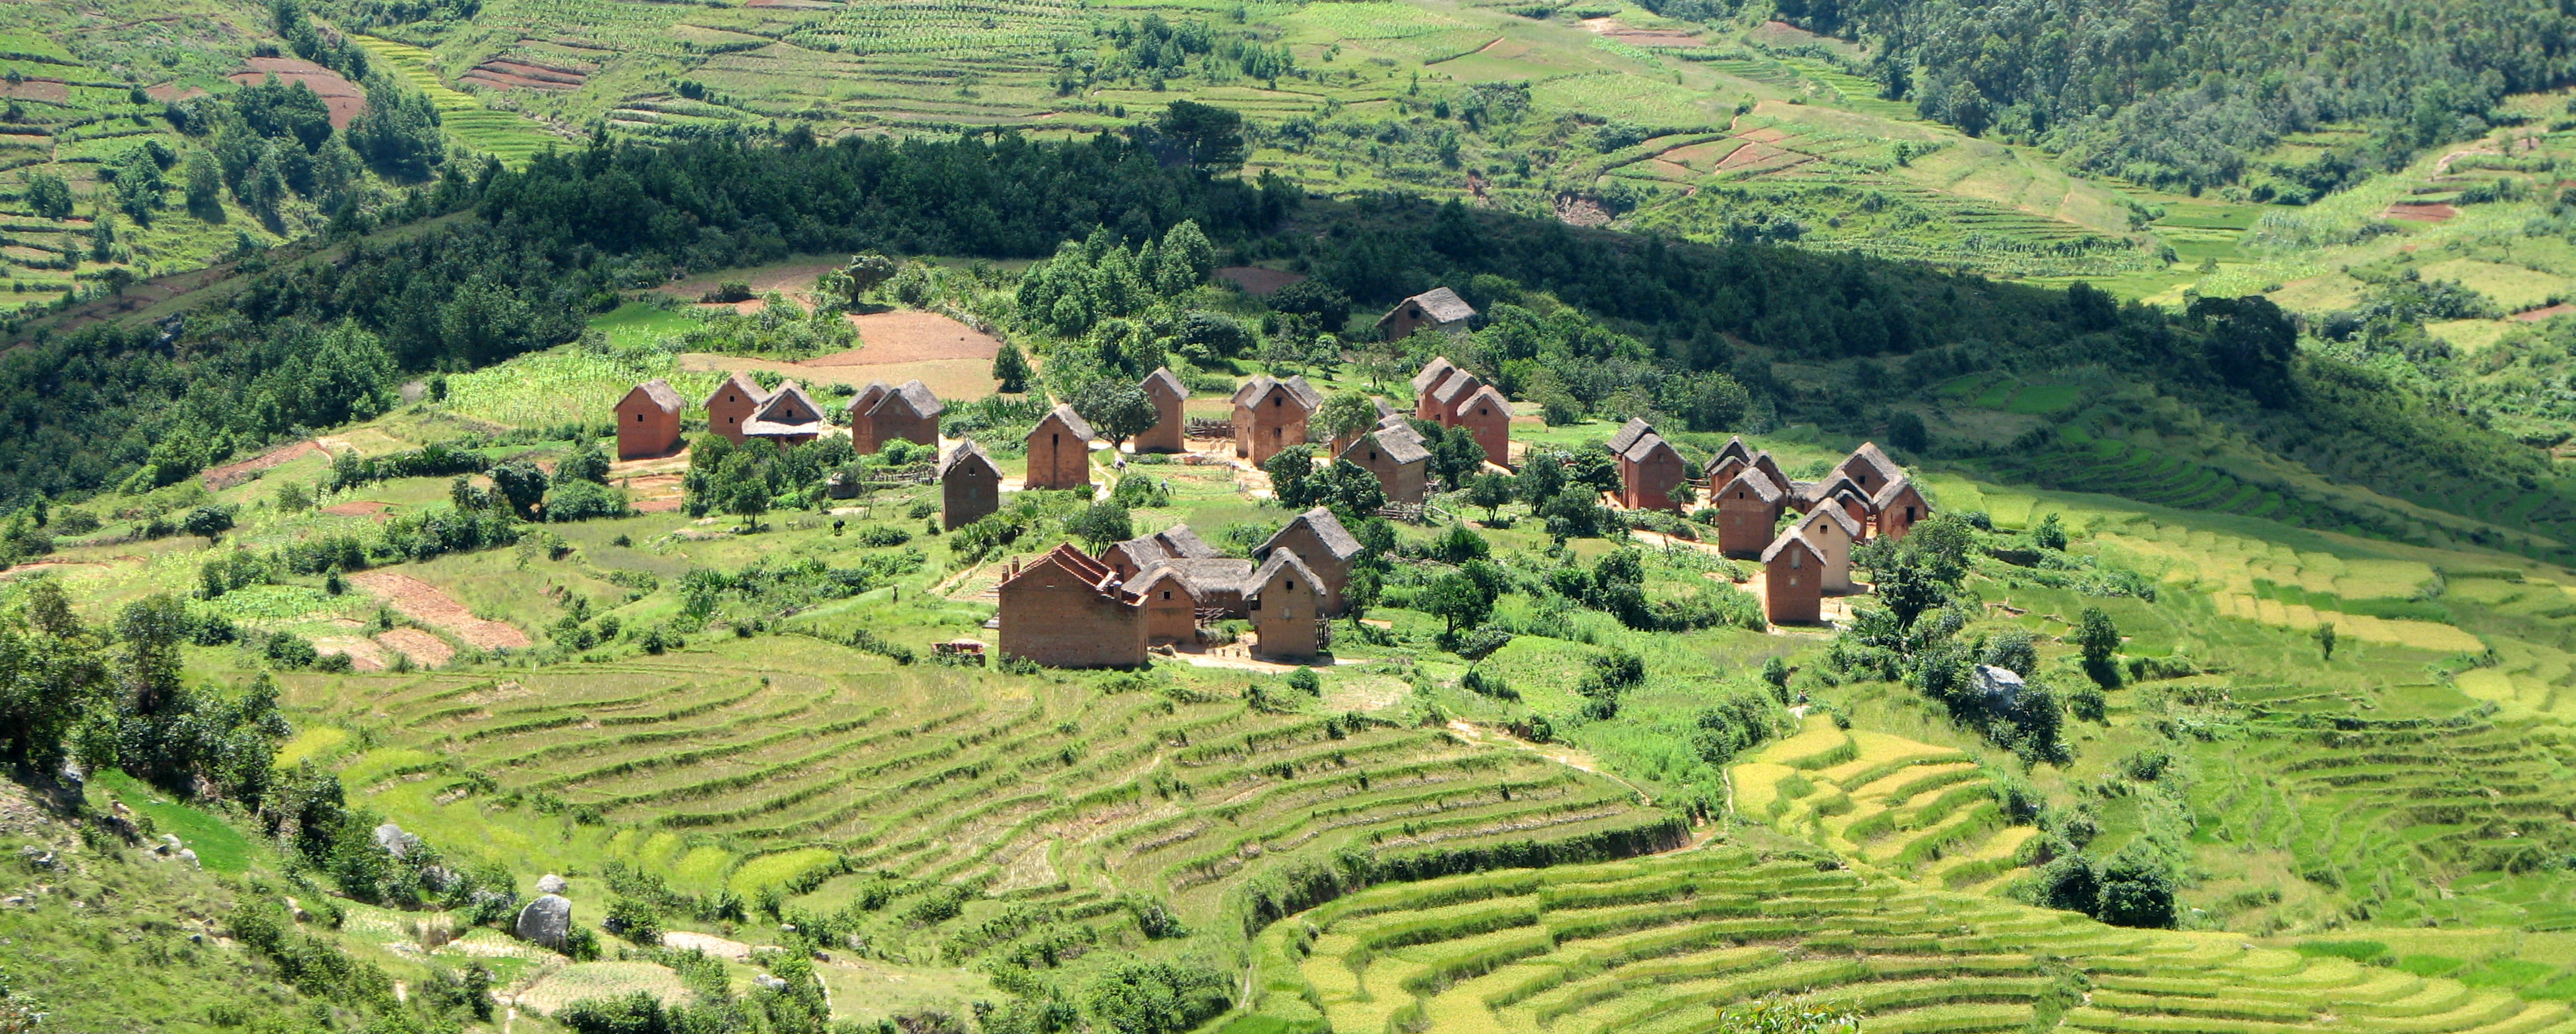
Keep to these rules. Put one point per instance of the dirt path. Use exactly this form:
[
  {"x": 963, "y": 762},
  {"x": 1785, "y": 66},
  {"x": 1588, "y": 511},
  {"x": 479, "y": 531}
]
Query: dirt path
[
  {"x": 230, "y": 474},
  {"x": 425, "y": 603}
]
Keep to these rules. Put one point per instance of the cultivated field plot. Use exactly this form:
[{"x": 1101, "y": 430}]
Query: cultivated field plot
[
  {"x": 1908, "y": 808},
  {"x": 1664, "y": 944},
  {"x": 726, "y": 773}
]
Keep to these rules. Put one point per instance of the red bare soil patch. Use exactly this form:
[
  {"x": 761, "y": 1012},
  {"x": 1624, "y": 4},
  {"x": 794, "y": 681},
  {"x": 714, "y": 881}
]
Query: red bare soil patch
[
  {"x": 424, "y": 649},
  {"x": 2549, "y": 312},
  {"x": 526, "y": 75},
  {"x": 361, "y": 508},
  {"x": 1613, "y": 28},
  {"x": 343, "y": 97},
  {"x": 172, "y": 92},
  {"x": 364, "y": 654},
  {"x": 1765, "y": 135},
  {"x": 231, "y": 474},
  {"x": 52, "y": 91},
  {"x": 2420, "y": 212},
  {"x": 907, "y": 336},
  {"x": 1257, "y": 281},
  {"x": 425, "y": 603},
  {"x": 1748, "y": 155}
]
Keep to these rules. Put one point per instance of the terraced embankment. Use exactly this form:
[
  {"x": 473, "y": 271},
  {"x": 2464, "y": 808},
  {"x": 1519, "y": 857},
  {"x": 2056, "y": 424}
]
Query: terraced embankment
[
  {"x": 1886, "y": 803},
  {"x": 1662, "y": 945},
  {"x": 952, "y": 783}
]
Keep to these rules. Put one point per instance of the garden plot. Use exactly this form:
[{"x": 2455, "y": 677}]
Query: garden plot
[
  {"x": 343, "y": 97},
  {"x": 1665, "y": 944},
  {"x": 426, "y": 604}
]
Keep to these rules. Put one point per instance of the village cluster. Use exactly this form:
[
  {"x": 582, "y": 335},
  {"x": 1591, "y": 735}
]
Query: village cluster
[{"x": 1067, "y": 608}]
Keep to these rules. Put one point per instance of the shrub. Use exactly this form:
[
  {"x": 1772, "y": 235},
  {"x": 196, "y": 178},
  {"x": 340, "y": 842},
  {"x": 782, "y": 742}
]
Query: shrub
[
  {"x": 581, "y": 500},
  {"x": 1157, "y": 997}
]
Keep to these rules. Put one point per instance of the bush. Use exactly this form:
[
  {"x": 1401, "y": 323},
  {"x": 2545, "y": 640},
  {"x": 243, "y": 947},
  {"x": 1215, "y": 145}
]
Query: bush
[
  {"x": 581, "y": 500},
  {"x": 1158, "y": 997}
]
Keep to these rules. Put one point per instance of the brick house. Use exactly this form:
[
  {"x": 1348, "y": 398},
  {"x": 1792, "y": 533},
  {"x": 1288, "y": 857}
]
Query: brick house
[
  {"x": 1438, "y": 308},
  {"x": 1629, "y": 432},
  {"x": 1287, "y": 609},
  {"x": 1488, "y": 415},
  {"x": 1060, "y": 451},
  {"x": 1429, "y": 379},
  {"x": 1171, "y": 609},
  {"x": 1397, "y": 457},
  {"x": 1731, "y": 457},
  {"x": 881, "y": 414},
  {"x": 648, "y": 420},
  {"x": 1132, "y": 557},
  {"x": 1342, "y": 442},
  {"x": 1792, "y": 581},
  {"x": 788, "y": 416},
  {"x": 1441, "y": 402},
  {"x": 1748, "y": 507},
  {"x": 1324, "y": 546},
  {"x": 1167, "y": 393},
  {"x": 1216, "y": 582},
  {"x": 1065, "y": 610},
  {"x": 1871, "y": 469},
  {"x": 1270, "y": 414},
  {"x": 970, "y": 485},
  {"x": 1649, "y": 468},
  {"x": 1832, "y": 531},
  {"x": 733, "y": 402},
  {"x": 1896, "y": 508}
]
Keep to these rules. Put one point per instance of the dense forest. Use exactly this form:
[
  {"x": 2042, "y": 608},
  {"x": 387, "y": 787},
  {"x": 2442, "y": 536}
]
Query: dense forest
[
  {"x": 529, "y": 255},
  {"x": 2179, "y": 94}
]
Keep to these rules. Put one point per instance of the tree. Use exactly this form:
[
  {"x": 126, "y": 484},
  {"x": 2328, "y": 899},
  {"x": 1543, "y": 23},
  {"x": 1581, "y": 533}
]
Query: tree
[
  {"x": 1116, "y": 408},
  {"x": 742, "y": 488},
  {"x": 52, "y": 682},
  {"x": 208, "y": 522},
  {"x": 1209, "y": 138},
  {"x": 2137, "y": 888},
  {"x": 1490, "y": 490},
  {"x": 48, "y": 195},
  {"x": 205, "y": 188},
  {"x": 865, "y": 271},
  {"x": 1362, "y": 592},
  {"x": 2250, "y": 345},
  {"x": 2099, "y": 638},
  {"x": 1344, "y": 415},
  {"x": 1907, "y": 587},
  {"x": 1290, "y": 470},
  {"x": 1349, "y": 489},
  {"x": 1542, "y": 476},
  {"x": 1906, "y": 431},
  {"x": 1455, "y": 455},
  {"x": 1187, "y": 258},
  {"x": 1102, "y": 525},
  {"x": 2326, "y": 639},
  {"x": 586, "y": 462},
  {"x": 1456, "y": 599},
  {"x": 1012, "y": 369},
  {"x": 522, "y": 485},
  {"x": 2049, "y": 533},
  {"x": 1157, "y": 997}
]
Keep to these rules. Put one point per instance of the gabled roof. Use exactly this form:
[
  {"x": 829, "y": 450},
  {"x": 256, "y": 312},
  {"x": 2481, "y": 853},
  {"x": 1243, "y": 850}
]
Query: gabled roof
[
  {"x": 865, "y": 402},
  {"x": 1383, "y": 410},
  {"x": 1887, "y": 496},
  {"x": 1180, "y": 541},
  {"x": 1459, "y": 385},
  {"x": 1833, "y": 515},
  {"x": 1283, "y": 559},
  {"x": 913, "y": 395},
  {"x": 1787, "y": 539},
  {"x": 1442, "y": 305},
  {"x": 659, "y": 392},
  {"x": 1493, "y": 394},
  {"x": 780, "y": 413},
  {"x": 1869, "y": 453},
  {"x": 1147, "y": 582},
  {"x": 1252, "y": 390},
  {"x": 1644, "y": 448},
  {"x": 1629, "y": 432},
  {"x": 1770, "y": 467},
  {"x": 967, "y": 452},
  {"x": 1206, "y": 576},
  {"x": 1431, "y": 374},
  {"x": 1734, "y": 447},
  {"x": 1395, "y": 420},
  {"x": 1162, "y": 377},
  {"x": 1072, "y": 422},
  {"x": 1305, "y": 392},
  {"x": 1760, "y": 483},
  {"x": 1834, "y": 482},
  {"x": 1326, "y": 528},
  {"x": 1074, "y": 562},
  {"x": 1399, "y": 444},
  {"x": 743, "y": 385}
]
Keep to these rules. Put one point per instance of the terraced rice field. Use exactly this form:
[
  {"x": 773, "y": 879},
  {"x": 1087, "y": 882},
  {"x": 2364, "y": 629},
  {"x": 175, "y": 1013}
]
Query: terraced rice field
[
  {"x": 508, "y": 136},
  {"x": 1665, "y": 944},
  {"x": 1887, "y": 803},
  {"x": 1056, "y": 794}
]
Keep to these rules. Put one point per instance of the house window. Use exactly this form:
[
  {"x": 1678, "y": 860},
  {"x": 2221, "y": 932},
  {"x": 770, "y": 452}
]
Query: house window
[
  {"x": 1167, "y": 594},
  {"x": 639, "y": 418},
  {"x": 1796, "y": 561},
  {"x": 1909, "y": 515}
]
